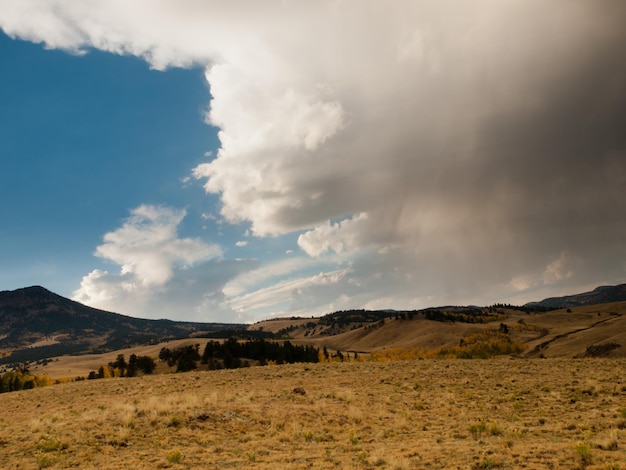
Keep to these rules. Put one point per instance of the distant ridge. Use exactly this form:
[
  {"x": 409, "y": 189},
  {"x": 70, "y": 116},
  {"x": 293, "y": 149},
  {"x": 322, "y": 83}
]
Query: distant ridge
[
  {"x": 37, "y": 323},
  {"x": 600, "y": 295}
]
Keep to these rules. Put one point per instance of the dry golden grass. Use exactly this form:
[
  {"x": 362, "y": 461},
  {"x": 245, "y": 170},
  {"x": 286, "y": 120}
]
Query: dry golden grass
[
  {"x": 570, "y": 333},
  {"x": 506, "y": 413},
  {"x": 277, "y": 324},
  {"x": 567, "y": 333},
  {"x": 420, "y": 334}
]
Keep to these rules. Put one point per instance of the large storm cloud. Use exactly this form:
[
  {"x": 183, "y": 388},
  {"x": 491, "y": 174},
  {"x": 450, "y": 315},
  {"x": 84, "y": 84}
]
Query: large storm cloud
[{"x": 448, "y": 151}]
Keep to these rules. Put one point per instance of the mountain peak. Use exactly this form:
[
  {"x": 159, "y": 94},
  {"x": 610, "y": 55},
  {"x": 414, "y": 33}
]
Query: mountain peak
[{"x": 34, "y": 289}]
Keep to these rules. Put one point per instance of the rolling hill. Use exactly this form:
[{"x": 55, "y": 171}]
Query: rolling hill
[
  {"x": 37, "y": 324},
  {"x": 591, "y": 331}
]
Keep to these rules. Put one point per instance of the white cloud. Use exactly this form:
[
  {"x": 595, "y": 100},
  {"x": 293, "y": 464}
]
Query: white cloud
[
  {"x": 147, "y": 247},
  {"x": 340, "y": 237},
  {"x": 522, "y": 283},
  {"x": 461, "y": 145},
  {"x": 209, "y": 216},
  {"x": 267, "y": 274},
  {"x": 559, "y": 269},
  {"x": 160, "y": 275},
  {"x": 241, "y": 243},
  {"x": 287, "y": 295}
]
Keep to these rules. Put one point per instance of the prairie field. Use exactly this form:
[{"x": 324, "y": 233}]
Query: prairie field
[{"x": 432, "y": 414}]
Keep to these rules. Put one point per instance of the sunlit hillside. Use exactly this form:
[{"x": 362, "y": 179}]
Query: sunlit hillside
[{"x": 558, "y": 333}]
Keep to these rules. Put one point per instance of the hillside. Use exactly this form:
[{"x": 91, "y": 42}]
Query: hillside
[
  {"x": 598, "y": 330},
  {"x": 36, "y": 323},
  {"x": 600, "y": 295}
]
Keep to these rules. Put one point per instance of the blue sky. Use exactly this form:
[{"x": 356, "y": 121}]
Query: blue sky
[
  {"x": 224, "y": 162},
  {"x": 85, "y": 139}
]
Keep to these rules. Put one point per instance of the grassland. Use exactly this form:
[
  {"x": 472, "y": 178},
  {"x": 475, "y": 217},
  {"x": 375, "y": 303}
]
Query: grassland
[
  {"x": 563, "y": 411},
  {"x": 469, "y": 414}
]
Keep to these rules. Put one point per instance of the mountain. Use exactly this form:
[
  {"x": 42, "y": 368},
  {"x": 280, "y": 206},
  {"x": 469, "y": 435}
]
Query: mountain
[
  {"x": 600, "y": 295},
  {"x": 36, "y": 323}
]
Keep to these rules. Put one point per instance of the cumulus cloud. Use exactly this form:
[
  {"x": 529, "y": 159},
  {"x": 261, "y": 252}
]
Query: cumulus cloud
[
  {"x": 450, "y": 147},
  {"x": 147, "y": 247},
  {"x": 160, "y": 275},
  {"x": 340, "y": 237}
]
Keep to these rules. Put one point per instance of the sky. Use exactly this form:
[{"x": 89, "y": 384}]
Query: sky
[{"x": 237, "y": 161}]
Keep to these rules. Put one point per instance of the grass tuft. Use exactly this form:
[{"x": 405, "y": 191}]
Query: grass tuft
[
  {"x": 174, "y": 456},
  {"x": 583, "y": 451}
]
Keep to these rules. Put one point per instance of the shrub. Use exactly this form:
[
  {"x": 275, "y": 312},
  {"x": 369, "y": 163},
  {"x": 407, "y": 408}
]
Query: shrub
[
  {"x": 45, "y": 461},
  {"x": 174, "y": 456},
  {"x": 477, "y": 429},
  {"x": 583, "y": 450},
  {"x": 50, "y": 444},
  {"x": 483, "y": 345},
  {"x": 495, "y": 429}
]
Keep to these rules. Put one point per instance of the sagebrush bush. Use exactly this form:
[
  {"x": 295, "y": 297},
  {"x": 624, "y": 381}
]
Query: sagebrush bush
[{"x": 174, "y": 456}]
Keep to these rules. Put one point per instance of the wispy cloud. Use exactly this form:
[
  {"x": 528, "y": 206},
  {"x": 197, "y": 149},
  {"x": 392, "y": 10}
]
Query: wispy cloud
[
  {"x": 295, "y": 296},
  {"x": 269, "y": 273}
]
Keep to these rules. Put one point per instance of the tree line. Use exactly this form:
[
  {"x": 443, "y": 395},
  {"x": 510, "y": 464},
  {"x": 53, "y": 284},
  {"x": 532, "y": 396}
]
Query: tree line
[
  {"x": 233, "y": 354},
  {"x": 121, "y": 368},
  {"x": 13, "y": 381}
]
